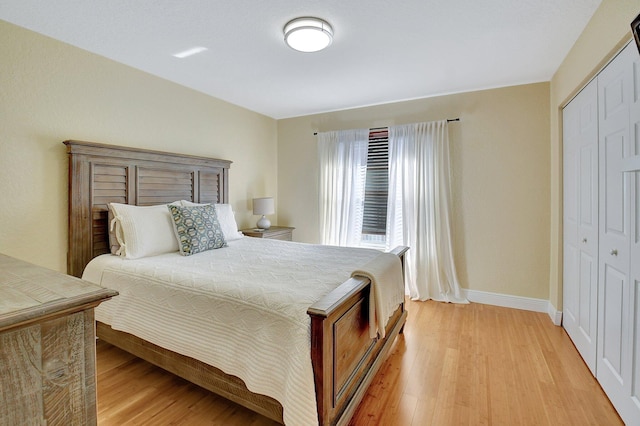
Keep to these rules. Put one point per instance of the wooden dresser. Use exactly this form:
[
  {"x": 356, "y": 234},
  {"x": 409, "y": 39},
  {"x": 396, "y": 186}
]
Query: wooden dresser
[{"x": 47, "y": 346}]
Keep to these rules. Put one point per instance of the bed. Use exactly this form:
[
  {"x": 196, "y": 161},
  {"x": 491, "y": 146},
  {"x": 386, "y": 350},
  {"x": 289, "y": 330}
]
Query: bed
[{"x": 343, "y": 356}]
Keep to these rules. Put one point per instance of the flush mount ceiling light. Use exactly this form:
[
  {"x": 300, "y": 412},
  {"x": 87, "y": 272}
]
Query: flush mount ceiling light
[{"x": 308, "y": 34}]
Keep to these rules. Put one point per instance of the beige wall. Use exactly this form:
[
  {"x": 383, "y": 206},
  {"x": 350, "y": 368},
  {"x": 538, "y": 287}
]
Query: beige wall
[
  {"x": 50, "y": 92},
  {"x": 607, "y": 32},
  {"x": 500, "y": 163}
]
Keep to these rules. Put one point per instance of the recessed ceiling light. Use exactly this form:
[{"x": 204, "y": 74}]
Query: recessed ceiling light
[
  {"x": 308, "y": 34},
  {"x": 189, "y": 52}
]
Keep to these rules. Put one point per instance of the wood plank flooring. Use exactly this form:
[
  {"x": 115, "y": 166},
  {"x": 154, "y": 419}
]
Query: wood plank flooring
[{"x": 455, "y": 365}]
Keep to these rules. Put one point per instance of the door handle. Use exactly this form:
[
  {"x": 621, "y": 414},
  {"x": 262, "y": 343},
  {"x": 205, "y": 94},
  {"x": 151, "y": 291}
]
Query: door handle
[
  {"x": 584, "y": 241},
  {"x": 614, "y": 252}
]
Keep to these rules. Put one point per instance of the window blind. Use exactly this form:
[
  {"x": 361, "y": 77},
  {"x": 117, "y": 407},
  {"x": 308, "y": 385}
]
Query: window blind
[{"x": 377, "y": 183}]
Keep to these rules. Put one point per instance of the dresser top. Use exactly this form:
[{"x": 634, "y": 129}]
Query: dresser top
[{"x": 29, "y": 292}]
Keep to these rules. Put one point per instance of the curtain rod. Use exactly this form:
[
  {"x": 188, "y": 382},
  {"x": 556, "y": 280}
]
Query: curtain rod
[{"x": 449, "y": 120}]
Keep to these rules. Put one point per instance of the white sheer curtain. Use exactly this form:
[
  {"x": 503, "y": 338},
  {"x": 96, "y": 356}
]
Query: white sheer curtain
[
  {"x": 343, "y": 166},
  {"x": 418, "y": 214}
]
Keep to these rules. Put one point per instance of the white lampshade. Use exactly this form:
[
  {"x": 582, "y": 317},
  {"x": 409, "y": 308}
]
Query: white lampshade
[
  {"x": 308, "y": 34},
  {"x": 262, "y": 206}
]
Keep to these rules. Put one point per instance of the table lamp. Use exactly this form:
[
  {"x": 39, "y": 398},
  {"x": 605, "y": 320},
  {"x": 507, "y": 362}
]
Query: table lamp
[{"x": 263, "y": 206}]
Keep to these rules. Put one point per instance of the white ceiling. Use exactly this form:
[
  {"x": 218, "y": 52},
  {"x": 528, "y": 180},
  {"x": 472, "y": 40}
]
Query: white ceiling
[{"x": 383, "y": 50}]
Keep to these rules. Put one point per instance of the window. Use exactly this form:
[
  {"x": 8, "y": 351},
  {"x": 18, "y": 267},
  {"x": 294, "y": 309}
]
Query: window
[{"x": 376, "y": 193}]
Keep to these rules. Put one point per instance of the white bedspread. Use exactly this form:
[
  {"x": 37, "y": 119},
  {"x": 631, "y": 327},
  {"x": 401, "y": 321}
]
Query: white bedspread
[{"x": 242, "y": 308}]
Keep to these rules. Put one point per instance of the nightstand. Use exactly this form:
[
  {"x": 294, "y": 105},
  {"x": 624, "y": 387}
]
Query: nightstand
[{"x": 274, "y": 233}]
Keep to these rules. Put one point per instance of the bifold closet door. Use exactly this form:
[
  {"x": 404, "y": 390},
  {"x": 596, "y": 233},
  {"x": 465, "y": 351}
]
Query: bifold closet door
[
  {"x": 617, "y": 301},
  {"x": 634, "y": 386},
  {"x": 580, "y": 223}
]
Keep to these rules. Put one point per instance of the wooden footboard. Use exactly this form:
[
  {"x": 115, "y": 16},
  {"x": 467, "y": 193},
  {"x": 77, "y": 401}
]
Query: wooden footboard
[{"x": 345, "y": 359}]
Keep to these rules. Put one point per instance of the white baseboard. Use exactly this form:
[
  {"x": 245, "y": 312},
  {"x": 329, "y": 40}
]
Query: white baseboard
[
  {"x": 556, "y": 316},
  {"x": 516, "y": 302}
]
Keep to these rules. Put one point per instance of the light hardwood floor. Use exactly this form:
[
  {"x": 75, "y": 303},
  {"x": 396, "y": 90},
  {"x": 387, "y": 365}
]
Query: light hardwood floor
[{"x": 455, "y": 365}]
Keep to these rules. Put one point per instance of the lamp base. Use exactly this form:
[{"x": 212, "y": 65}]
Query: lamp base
[{"x": 264, "y": 223}]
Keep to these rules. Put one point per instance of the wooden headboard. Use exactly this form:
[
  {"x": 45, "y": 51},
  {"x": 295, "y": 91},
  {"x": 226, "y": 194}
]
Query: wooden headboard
[{"x": 100, "y": 174}]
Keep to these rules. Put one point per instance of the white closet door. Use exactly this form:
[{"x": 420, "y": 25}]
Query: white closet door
[
  {"x": 633, "y": 389},
  {"x": 580, "y": 274},
  {"x": 615, "y": 94}
]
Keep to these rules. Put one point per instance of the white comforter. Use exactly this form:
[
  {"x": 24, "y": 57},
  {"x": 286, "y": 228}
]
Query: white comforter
[{"x": 242, "y": 308}]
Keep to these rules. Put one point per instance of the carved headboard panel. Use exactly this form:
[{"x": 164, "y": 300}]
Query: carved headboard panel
[{"x": 100, "y": 174}]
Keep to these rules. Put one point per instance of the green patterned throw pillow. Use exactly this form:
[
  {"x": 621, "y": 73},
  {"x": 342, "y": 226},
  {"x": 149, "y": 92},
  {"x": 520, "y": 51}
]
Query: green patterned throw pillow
[{"x": 197, "y": 228}]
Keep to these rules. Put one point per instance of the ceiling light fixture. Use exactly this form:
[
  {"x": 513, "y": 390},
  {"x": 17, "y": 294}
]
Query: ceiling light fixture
[
  {"x": 308, "y": 34},
  {"x": 190, "y": 52}
]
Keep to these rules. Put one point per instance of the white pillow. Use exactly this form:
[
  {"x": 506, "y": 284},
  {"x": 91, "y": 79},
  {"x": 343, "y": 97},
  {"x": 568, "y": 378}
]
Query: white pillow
[
  {"x": 144, "y": 230},
  {"x": 225, "y": 217},
  {"x": 228, "y": 222}
]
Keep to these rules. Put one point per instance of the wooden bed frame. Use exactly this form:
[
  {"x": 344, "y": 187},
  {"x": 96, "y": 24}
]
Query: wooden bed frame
[{"x": 344, "y": 357}]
